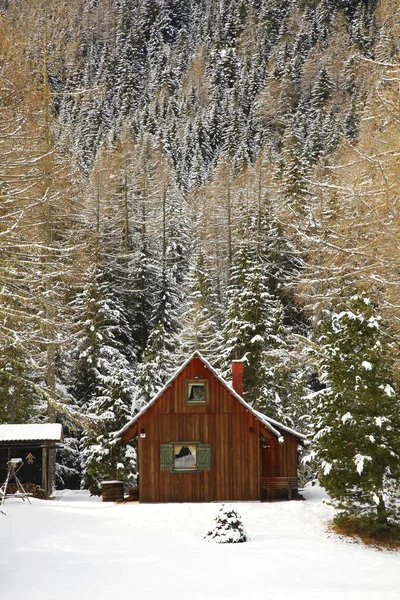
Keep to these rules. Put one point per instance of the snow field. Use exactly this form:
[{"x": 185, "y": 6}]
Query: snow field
[{"x": 76, "y": 547}]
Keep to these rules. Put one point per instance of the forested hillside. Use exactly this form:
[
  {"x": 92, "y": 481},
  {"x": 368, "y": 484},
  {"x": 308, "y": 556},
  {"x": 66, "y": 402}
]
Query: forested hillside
[{"x": 196, "y": 174}]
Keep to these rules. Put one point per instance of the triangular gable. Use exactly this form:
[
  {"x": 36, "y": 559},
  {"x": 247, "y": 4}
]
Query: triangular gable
[{"x": 266, "y": 421}]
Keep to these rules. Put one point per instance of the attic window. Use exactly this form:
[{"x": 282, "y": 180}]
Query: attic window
[{"x": 196, "y": 391}]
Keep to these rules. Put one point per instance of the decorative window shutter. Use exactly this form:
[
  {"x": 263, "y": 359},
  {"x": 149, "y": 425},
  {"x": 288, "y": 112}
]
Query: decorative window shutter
[
  {"x": 204, "y": 457},
  {"x": 166, "y": 457}
]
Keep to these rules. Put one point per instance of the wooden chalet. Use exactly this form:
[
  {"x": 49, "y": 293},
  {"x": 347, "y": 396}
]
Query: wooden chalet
[
  {"x": 199, "y": 441},
  {"x": 36, "y": 446}
]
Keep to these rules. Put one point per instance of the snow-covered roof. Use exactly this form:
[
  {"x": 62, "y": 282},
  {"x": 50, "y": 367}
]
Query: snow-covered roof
[
  {"x": 36, "y": 432},
  {"x": 266, "y": 421}
]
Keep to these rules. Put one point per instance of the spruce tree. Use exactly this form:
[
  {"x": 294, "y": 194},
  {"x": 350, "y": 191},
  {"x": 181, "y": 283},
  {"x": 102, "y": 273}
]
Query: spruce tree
[
  {"x": 227, "y": 527},
  {"x": 104, "y": 381},
  {"x": 253, "y": 321},
  {"x": 199, "y": 330},
  {"x": 357, "y": 417}
]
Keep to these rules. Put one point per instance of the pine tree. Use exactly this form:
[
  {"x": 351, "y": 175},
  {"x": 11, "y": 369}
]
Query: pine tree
[
  {"x": 199, "y": 329},
  {"x": 157, "y": 363},
  {"x": 227, "y": 527},
  {"x": 292, "y": 171},
  {"x": 357, "y": 417},
  {"x": 322, "y": 88},
  {"x": 105, "y": 381},
  {"x": 252, "y": 325}
]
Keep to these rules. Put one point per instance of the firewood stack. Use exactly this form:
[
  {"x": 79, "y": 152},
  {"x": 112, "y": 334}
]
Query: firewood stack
[{"x": 32, "y": 489}]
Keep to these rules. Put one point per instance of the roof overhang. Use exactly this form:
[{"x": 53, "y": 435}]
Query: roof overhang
[
  {"x": 46, "y": 432},
  {"x": 274, "y": 427}
]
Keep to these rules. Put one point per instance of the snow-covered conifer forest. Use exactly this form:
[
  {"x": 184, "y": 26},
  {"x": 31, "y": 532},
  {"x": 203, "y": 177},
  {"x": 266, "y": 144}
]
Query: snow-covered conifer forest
[{"x": 201, "y": 174}]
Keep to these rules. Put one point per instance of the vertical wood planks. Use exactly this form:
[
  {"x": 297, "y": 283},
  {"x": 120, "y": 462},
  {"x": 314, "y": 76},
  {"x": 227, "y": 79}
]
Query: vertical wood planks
[{"x": 233, "y": 432}]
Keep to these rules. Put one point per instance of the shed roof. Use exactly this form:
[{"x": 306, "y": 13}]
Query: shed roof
[
  {"x": 36, "y": 432},
  {"x": 273, "y": 426}
]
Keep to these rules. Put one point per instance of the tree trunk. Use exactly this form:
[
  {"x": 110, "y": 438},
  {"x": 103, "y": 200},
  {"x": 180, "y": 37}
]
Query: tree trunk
[{"x": 382, "y": 513}]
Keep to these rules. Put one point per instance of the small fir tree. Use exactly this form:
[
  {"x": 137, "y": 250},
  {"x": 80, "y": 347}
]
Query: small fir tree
[{"x": 227, "y": 527}]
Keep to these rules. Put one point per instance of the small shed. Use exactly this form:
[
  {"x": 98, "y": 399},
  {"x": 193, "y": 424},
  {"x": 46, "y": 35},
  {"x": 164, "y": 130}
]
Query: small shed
[
  {"x": 36, "y": 445},
  {"x": 199, "y": 441}
]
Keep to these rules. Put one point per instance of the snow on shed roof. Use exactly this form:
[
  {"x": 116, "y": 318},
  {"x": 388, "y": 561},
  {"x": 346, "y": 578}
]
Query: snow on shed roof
[
  {"x": 36, "y": 432},
  {"x": 266, "y": 421},
  {"x": 271, "y": 421}
]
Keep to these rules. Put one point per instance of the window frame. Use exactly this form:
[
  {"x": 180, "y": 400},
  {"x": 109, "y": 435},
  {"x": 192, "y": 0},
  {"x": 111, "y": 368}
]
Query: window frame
[
  {"x": 185, "y": 469},
  {"x": 203, "y": 456},
  {"x": 204, "y": 402}
]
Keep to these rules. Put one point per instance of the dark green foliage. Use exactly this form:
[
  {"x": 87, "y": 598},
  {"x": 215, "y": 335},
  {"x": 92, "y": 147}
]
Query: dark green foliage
[
  {"x": 357, "y": 417},
  {"x": 253, "y": 318},
  {"x": 292, "y": 170},
  {"x": 104, "y": 382},
  {"x": 261, "y": 318},
  {"x": 158, "y": 361},
  {"x": 140, "y": 59},
  {"x": 322, "y": 89},
  {"x": 68, "y": 467}
]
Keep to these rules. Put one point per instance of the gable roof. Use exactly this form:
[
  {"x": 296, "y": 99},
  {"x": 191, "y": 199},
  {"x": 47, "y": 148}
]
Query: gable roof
[
  {"x": 267, "y": 422},
  {"x": 44, "y": 432}
]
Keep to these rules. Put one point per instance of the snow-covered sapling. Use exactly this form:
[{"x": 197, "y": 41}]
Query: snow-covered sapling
[{"x": 227, "y": 527}]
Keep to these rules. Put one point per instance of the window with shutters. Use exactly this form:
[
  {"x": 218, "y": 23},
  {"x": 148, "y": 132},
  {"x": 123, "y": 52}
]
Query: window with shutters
[
  {"x": 196, "y": 391},
  {"x": 185, "y": 456}
]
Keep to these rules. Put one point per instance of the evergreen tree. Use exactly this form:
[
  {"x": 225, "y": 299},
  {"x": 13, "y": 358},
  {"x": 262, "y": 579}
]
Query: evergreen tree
[
  {"x": 105, "y": 381},
  {"x": 357, "y": 417},
  {"x": 291, "y": 171},
  {"x": 158, "y": 361},
  {"x": 68, "y": 466},
  {"x": 322, "y": 88},
  {"x": 253, "y": 323},
  {"x": 173, "y": 231},
  {"x": 199, "y": 329},
  {"x": 227, "y": 527}
]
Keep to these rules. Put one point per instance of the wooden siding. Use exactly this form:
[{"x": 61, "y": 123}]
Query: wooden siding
[
  {"x": 224, "y": 423},
  {"x": 280, "y": 460},
  {"x": 233, "y": 433}
]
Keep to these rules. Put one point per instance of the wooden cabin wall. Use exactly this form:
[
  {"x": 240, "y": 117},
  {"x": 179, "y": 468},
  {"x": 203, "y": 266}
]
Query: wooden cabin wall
[
  {"x": 224, "y": 423},
  {"x": 280, "y": 460}
]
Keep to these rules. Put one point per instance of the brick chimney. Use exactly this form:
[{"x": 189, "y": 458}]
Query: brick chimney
[{"x": 237, "y": 376}]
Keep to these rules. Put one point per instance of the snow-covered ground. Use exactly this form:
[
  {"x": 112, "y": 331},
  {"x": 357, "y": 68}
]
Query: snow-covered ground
[{"x": 76, "y": 547}]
